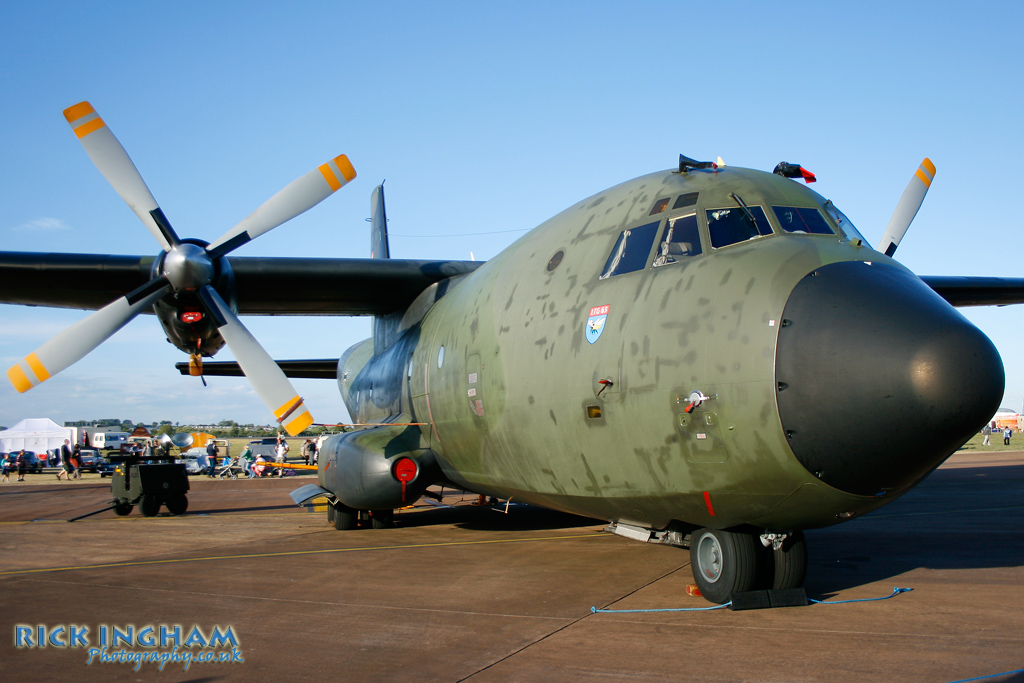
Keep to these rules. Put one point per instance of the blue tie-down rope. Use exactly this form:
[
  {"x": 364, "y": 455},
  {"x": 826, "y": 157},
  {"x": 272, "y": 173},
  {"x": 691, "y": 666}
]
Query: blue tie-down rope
[
  {"x": 981, "y": 678},
  {"x": 895, "y": 592}
]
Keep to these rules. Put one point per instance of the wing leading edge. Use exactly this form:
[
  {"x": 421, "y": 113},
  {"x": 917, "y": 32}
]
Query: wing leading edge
[
  {"x": 264, "y": 285},
  {"x": 977, "y": 291},
  {"x": 321, "y": 286}
]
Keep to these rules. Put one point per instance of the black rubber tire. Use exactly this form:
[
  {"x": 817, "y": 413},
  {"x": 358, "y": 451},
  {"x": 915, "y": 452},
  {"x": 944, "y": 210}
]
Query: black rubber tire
[
  {"x": 382, "y": 519},
  {"x": 330, "y": 513},
  {"x": 123, "y": 509},
  {"x": 149, "y": 506},
  {"x": 345, "y": 518},
  {"x": 789, "y": 562},
  {"x": 723, "y": 563},
  {"x": 178, "y": 504}
]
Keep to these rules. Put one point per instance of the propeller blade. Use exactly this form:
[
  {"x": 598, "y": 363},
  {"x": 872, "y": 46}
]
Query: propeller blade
[
  {"x": 907, "y": 207},
  {"x": 299, "y": 196},
  {"x": 264, "y": 374},
  {"x": 74, "y": 343},
  {"x": 116, "y": 166}
]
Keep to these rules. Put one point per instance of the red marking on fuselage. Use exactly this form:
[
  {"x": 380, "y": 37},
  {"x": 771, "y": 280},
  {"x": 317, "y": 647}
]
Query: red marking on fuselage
[{"x": 707, "y": 501}]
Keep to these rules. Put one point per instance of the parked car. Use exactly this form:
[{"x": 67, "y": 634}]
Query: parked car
[
  {"x": 195, "y": 461},
  {"x": 33, "y": 463},
  {"x": 89, "y": 460},
  {"x": 267, "y": 447},
  {"x": 105, "y": 468}
]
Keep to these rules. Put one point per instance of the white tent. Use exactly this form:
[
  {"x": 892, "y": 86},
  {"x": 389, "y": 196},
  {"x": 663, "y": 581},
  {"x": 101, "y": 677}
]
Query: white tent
[{"x": 34, "y": 434}]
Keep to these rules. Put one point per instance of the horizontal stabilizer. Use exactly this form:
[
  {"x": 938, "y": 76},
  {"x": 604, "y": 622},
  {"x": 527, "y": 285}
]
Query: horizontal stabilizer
[{"x": 324, "y": 368}]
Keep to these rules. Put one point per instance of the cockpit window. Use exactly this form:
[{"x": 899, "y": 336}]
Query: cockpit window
[
  {"x": 799, "y": 219},
  {"x": 680, "y": 241},
  {"x": 729, "y": 226},
  {"x": 631, "y": 250},
  {"x": 844, "y": 223},
  {"x": 684, "y": 200},
  {"x": 660, "y": 206}
]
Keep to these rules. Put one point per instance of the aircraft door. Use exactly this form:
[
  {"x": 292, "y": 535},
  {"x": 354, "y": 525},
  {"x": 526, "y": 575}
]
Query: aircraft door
[{"x": 424, "y": 368}]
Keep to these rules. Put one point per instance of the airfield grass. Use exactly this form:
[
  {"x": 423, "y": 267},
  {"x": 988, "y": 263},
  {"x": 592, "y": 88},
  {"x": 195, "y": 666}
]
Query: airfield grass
[{"x": 995, "y": 443}]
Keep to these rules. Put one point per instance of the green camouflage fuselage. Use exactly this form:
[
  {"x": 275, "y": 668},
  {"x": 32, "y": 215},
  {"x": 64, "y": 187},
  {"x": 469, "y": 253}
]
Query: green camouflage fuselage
[{"x": 509, "y": 387}]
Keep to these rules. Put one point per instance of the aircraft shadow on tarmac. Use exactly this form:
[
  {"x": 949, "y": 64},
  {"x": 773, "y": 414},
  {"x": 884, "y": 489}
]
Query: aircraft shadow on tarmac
[
  {"x": 494, "y": 518},
  {"x": 958, "y": 518},
  {"x": 963, "y": 518}
]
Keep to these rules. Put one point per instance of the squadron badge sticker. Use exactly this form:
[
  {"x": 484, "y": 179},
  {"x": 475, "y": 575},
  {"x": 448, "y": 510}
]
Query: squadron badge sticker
[{"x": 595, "y": 323}]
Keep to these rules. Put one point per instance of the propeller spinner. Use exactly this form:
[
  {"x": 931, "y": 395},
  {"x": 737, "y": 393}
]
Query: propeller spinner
[{"x": 187, "y": 266}]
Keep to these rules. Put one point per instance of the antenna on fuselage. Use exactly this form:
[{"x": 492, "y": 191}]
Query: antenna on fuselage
[{"x": 379, "y": 247}]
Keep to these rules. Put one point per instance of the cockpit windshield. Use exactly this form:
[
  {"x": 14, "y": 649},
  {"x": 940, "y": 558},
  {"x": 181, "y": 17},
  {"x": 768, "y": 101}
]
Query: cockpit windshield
[
  {"x": 802, "y": 220},
  {"x": 729, "y": 226},
  {"x": 845, "y": 224}
]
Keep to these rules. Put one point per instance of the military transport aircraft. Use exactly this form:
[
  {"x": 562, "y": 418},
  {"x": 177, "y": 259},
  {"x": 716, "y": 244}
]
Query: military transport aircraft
[{"x": 707, "y": 356}]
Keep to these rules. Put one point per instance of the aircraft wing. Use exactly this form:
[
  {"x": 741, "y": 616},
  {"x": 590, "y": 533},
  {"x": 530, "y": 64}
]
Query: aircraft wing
[
  {"x": 265, "y": 285},
  {"x": 977, "y": 291}
]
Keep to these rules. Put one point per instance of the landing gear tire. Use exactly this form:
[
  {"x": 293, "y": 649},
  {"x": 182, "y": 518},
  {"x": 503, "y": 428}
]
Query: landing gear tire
[
  {"x": 788, "y": 567},
  {"x": 330, "y": 513},
  {"x": 723, "y": 563},
  {"x": 122, "y": 509},
  {"x": 177, "y": 504},
  {"x": 382, "y": 519},
  {"x": 149, "y": 506},
  {"x": 345, "y": 518}
]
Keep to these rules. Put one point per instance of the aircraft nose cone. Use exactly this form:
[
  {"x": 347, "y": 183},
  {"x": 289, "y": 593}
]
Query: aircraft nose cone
[{"x": 879, "y": 379}]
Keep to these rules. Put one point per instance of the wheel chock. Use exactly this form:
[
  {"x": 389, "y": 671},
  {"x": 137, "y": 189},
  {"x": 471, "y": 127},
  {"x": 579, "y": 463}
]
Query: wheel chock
[
  {"x": 692, "y": 590},
  {"x": 787, "y": 597}
]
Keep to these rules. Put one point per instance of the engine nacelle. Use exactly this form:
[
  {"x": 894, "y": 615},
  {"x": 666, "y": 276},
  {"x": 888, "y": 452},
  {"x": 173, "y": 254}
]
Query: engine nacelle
[
  {"x": 186, "y": 322},
  {"x": 377, "y": 469}
]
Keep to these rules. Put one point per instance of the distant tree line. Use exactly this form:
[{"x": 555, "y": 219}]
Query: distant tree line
[{"x": 225, "y": 429}]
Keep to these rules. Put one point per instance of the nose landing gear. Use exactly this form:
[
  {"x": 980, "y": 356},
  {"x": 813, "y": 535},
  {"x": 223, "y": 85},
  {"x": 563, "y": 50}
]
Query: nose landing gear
[{"x": 727, "y": 562}]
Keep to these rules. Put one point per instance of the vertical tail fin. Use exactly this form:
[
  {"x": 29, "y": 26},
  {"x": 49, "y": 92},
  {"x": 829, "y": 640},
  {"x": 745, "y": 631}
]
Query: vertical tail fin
[{"x": 384, "y": 327}]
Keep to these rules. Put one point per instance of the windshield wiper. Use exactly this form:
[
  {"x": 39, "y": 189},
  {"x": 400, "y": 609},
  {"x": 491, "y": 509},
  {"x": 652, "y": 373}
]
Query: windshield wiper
[{"x": 746, "y": 212}]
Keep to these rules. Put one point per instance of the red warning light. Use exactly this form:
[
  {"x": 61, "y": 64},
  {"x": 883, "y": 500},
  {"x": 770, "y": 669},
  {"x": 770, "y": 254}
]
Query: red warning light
[
  {"x": 405, "y": 470},
  {"x": 191, "y": 316}
]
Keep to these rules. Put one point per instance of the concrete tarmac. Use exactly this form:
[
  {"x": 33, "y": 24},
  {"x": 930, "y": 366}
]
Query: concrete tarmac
[{"x": 470, "y": 593}]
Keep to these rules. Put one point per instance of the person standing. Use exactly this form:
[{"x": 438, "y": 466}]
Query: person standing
[
  {"x": 5, "y": 464},
  {"x": 76, "y": 462},
  {"x": 64, "y": 460},
  {"x": 22, "y": 465},
  {"x": 279, "y": 453},
  {"x": 211, "y": 455},
  {"x": 1007, "y": 433},
  {"x": 245, "y": 460},
  {"x": 986, "y": 431}
]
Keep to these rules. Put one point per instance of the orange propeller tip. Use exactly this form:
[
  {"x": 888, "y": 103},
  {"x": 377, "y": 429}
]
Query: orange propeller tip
[
  {"x": 19, "y": 379},
  {"x": 77, "y": 111},
  {"x": 346, "y": 168}
]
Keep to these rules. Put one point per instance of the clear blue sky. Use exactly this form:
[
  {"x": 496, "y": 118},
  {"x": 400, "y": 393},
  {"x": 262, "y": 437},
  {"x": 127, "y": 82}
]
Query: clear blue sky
[{"x": 483, "y": 118}]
